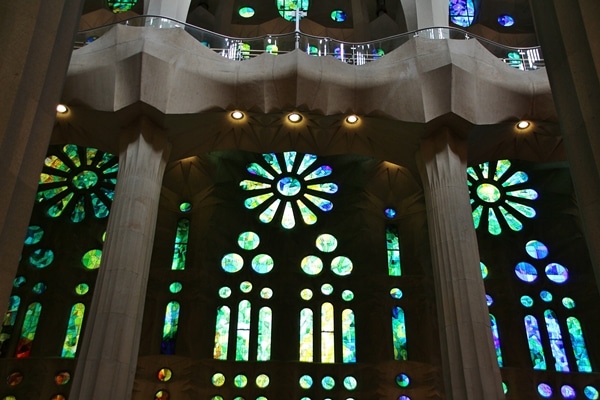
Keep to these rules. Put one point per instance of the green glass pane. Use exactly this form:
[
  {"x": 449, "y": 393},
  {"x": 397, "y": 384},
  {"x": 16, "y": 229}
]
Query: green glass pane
[
  {"x": 85, "y": 180},
  {"x": 243, "y": 331},
  {"x": 39, "y": 288},
  {"x": 399, "y": 334},
  {"x": 262, "y": 263},
  {"x": 311, "y": 265},
  {"x": 221, "y": 335},
  {"x": 306, "y": 162},
  {"x": 11, "y": 314},
  {"x": 41, "y": 258},
  {"x": 306, "y": 339},
  {"x": 287, "y": 220},
  {"x": 253, "y": 185},
  {"x": 327, "y": 335},
  {"x": 170, "y": 326},
  {"x": 266, "y": 293},
  {"x": 289, "y": 186},
  {"x": 568, "y": 303},
  {"x": 578, "y": 343},
  {"x": 493, "y": 224},
  {"x": 341, "y": 266},
  {"x": 347, "y": 295},
  {"x": 513, "y": 223},
  {"x": 56, "y": 163},
  {"x": 262, "y": 381},
  {"x": 78, "y": 213},
  {"x": 91, "y": 259},
  {"x": 265, "y": 319},
  {"x": 527, "y": 301},
  {"x": 175, "y": 287},
  {"x": 527, "y": 211},
  {"x": 72, "y": 151},
  {"x": 185, "y": 207},
  {"x": 19, "y": 281},
  {"x": 396, "y": 293},
  {"x": 501, "y": 167},
  {"x": 57, "y": 209},
  {"x": 218, "y": 379},
  {"x": 484, "y": 270},
  {"x": 120, "y": 6},
  {"x": 34, "y": 235},
  {"x": 488, "y": 193},
  {"x": 328, "y": 383},
  {"x": 109, "y": 193},
  {"x": 290, "y": 158},
  {"x": 402, "y": 380},
  {"x": 224, "y": 292},
  {"x": 348, "y": 337},
  {"x": 350, "y": 383},
  {"x": 515, "y": 179},
  {"x": 46, "y": 178},
  {"x": 326, "y": 243},
  {"x": 256, "y": 169},
  {"x": 306, "y": 294},
  {"x": 246, "y": 12},
  {"x": 253, "y": 202},
  {"x": 324, "y": 187},
  {"x": 529, "y": 194},
  {"x": 287, "y": 8},
  {"x": 477, "y": 216},
  {"x": 324, "y": 205},
  {"x": 73, "y": 331},
  {"x": 321, "y": 172},
  {"x": 181, "y": 244},
  {"x": 326, "y": 289},
  {"x": 271, "y": 159},
  {"x": 268, "y": 215},
  {"x": 472, "y": 173},
  {"x": 232, "y": 262},
  {"x": 246, "y": 287},
  {"x": 82, "y": 289},
  {"x": 308, "y": 216},
  {"x": 248, "y": 240},
  {"x": 100, "y": 209},
  {"x": 504, "y": 388},
  {"x": 28, "y": 330}
]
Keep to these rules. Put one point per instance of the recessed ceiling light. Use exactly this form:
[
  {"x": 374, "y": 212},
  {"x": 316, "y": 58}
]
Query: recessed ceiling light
[
  {"x": 61, "y": 108},
  {"x": 523, "y": 124},
  {"x": 295, "y": 117},
  {"x": 352, "y": 119},
  {"x": 237, "y": 115}
]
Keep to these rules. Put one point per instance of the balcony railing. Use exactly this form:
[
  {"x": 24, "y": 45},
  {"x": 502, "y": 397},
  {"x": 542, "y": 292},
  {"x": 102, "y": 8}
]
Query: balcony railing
[{"x": 526, "y": 58}]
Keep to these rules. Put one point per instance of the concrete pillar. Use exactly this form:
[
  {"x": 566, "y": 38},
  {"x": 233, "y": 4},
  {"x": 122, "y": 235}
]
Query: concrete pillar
[
  {"x": 176, "y": 9},
  {"x": 36, "y": 43},
  {"x": 421, "y": 14},
  {"x": 470, "y": 366},
  {"x": 569, "y": 33},
  {"x": 109, "y": 352}
]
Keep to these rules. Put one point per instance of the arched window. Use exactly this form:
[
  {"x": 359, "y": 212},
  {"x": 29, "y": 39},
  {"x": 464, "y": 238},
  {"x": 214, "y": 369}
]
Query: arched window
[
  {"x": 73, "y": 331},
  {"x": 28, "y": 330},
  {"x": 171, "y": 323},
  {"x": 181, "y": 244}
]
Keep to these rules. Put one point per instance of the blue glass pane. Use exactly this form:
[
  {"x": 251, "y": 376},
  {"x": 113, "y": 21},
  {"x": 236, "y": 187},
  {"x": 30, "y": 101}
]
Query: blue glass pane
[
  {"x": 526, "y": 272},
  {"x": 534, "y": 340},
  {"x": 556, "y": 342},
  {"x": 536, "y": 249}
]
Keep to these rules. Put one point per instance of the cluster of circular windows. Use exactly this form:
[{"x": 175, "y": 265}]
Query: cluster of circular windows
[
  {"x": 568, "y": 392},
  {"x": 538, "y": 251},
  {"x": 261, "y": 263},
  {"x": 240, "y": 381},
  {"x": 61, "y": 378},
  {"x": 245, "y": 287},
  {"x": 40, "y": 287},
  {"x": 328, "y": 382},
  {"x": 287, "y": 11}
]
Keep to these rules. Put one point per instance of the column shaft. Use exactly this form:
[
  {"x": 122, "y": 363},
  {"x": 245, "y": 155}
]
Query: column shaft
[
  {"x": 469, "y": 362},
  {"x": 108, "y": 356},
  {"x": 177, "y": 9},
  {"x": 421, "y": 14}
]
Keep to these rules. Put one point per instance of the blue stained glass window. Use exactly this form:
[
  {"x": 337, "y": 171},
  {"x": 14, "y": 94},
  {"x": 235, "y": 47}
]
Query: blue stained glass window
[
  {"x": 462, "y": 12},
  {"x": 399, "y": 334},
  {"x": 170, "y": 326},
  {"x": 506, "y": 20},
  {"x": 496, "y": 337},
  {"x": 534, "y": 340},
  {"x": 348, "y": 337},
  {"x": 579, "y": 348},
  {"x": 556, "y": 342},
  {"x": 393, "y": 251}
]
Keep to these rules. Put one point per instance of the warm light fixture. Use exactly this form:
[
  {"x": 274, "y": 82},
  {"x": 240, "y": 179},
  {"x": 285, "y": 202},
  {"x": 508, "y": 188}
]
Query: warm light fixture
[
  {"x": 352, "y": 119},
  {"x": 523, "y": 124},
  {"x": 61, "y": 108},
  {"x": 237, "y": 115},
  {"x": 295, "y": 117}
]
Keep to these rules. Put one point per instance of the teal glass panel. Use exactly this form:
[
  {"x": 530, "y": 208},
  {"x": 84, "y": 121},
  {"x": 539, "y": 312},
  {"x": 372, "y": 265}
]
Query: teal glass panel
[
  {"x": 471, "y": 172},
  {"x": 327, "y": 334},
  {"x": 19, "y": 281},
  {"x": 256, "y": 169},
  {"x": 181, "y": 245},
  {"x": 513, "y": 223},
  {"x": 536, "y": 249},
  {"x": 98, "y": 206},
  {"x": 246, "y": 287},
  {"x": 253, "y": 202},
  {"x": 399, "y": 334},
  {"x": 528, "y": 194},
  {"x": 262, "y": 263},
  {"x": 242, "y": 347},
  {"x": 306, "y": 162},
  {"x": 527, "y": 211},
  {"x": 248, "y": 240},
  {"x": 350, "y": 383},
  {"x": 41, "y": 258},
  {"x": 265, "y": 319},
  {"x": 253, "y": 185},
  {"x": 311, "y": 265},
  {"x": 290, "y": 158},
  {"x": 240, "y": 381},
  {"x": 402, "y": 380},
  {"x": 338, "y": 15},
  {"x": 348, "y": 337},
  {"x": 324, "y": 205},
  {"x": 393, "y": 251},
  {"x": 28, "y": 330},
  {"x": 222, "y": 333},
  {"x": 9, "y": 322},
  {"x": 57, "y": 209},
  {"x": 501, "y": 167},
  {"x": 484, "y": 270},
  {"x": 515, "y": 179},
  {"x": 526, "y": 301},
  {"x": 578, "y": 342},
  {"x": 306, "y": 381},
  {"x": 526, "y": 272},
  {"x": 224, "y": 292},
  {"x": 534, "y": 340},
  {"x": 175, "y": 287},
  {"x": 34, "y": 235},
  {"x": 287, "y": 8},
  {"x": 326, "y": 289},
  {"x": 321, "y": 172},
  {"x": 287, "y": 220},
  {"x": 591, "y": 393},
  {"x": 568, "y": 303},
  {"x": 328, "y": 383},
  {"x": 326, "y": 243},
  {"x": 493, "y": 224},
  {"x": 347, "y": 295},
  {"x": 170, "y": 327},
  {"x": 289, "y": 186},
  {"x": 306, "y": 336},
  {"x": 267, "y": 216},
  {"x": 266, "y": 293},
  {"x": 308, "y": 216},
  {"x": 341, "y": 266},
  {"x": 396, "y": 293},
  {"x": 330, "y": 188},
  {"x": 556, "y": 342},
  {"x": 484, "y": 168},
  {"x": 488, "y": 193},
  {"x": 39, "y": 288},
  {"x": 496, "y": 338},
  {"x": 477, "y": 216},
  {"x": 246, "y": 12},
  {"x": 232, "y": 262},
  {"x": 546, "y": 296},
  {"x": 271, "y": 159},
  {"x": 69, "y": 349},
  {"x": 78, "y": 213}
]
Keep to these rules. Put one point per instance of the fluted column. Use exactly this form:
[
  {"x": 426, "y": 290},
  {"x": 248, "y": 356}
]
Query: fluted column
[
  {"x": 470, "y": 366},
  {"x": 108, "y": 355},
  {"x": 177, "y": 9},
  {"x": 421, "y": 14}
]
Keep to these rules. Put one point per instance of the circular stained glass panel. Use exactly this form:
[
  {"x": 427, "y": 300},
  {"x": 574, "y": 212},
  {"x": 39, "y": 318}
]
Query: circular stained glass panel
[
  {"x": 306, "y": 381},
  {"x": 350, "y": 383},
  {"x": 224, "y": 292},
  {"x": 19, "y": 281},
  {"x": 396, "y": 293},
  {"x": 246, "y": 287},
  {"x": 91, "y": 259},
  {"x": 306, "y": 294},
  {"x": 568, "y": 302},
  {"x": 232, "y": 262},
  {"x": 568, "y": 392},
  {"x": 34, "y": 235},
  {"x": 248, "y": 240},
  {"x": 262, "y": 263},
  {"x": 85, "y": 180},
  {"x": 488, "y": 193},
  {"x": 326, "y": 243},
  {"x": 402, "y": 380},
  {"x": 14, "y": 379},
  {"x": 289, "y": 186},
  {"x": 506, "y": 20},
  {"x": 341, "y": 266},
  {"x": 546, "y": 296},
  {"x": 328, "y": 382},
  {"x": 82, "y": 289},
  {"x": 39, "y": 288},
  {"x": 484, "y": 270},
  {"x": 489, "y": 300},
  {"x": 62, "y": 378},
  {"x": 175, "y": 287},
  {"x": 326, "y": 289},
  {"x": 218, "y": 379},
  {"x": 526, "y": 272},
  {"x": 545, "y": 390},
  {"x": 266, "y": 293},
  {"x": 390, "y": 213},
  {"x": 185, "y": 207},
  {"x": 246, "y": 12},
  {"x": 162, "y": 395},
  {"x": 311, "y": 265},
  {"x": 536, "y": 249},
  {"x": 526, "y": 301},
  {"x": 165, "y": 374},
  {"x": 556, "y": 273},
  {"x": 240, "y": 381},
  {"x": 591, "y": 393},
  {"x": 41, "y": 258},
  {"x": 262, "y": 381},
  {"x": 347, "y": 295},
  {"x": 338, "y": 16}
]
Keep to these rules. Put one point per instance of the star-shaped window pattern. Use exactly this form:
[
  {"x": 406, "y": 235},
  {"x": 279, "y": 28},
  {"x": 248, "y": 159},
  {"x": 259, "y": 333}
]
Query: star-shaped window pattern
[
  {"x": 287, "y": 187},
  {"x": 78, "y": 181},
  {"x": 499, "y": 196}
]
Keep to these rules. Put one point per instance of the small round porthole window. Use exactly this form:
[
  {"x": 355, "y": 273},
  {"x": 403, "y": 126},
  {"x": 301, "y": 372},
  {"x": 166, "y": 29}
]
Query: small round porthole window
[{"x": 246, "y": 12}]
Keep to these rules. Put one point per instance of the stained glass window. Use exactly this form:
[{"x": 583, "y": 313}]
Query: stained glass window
[
  {"x": 9, "y": 322},
  {"x": 578, "y": 343},
  {"x": 399, "y": 334},
  {"x": 327, "y": 334},
  {"x": 287, "y": 8},
  {"x": 170, "y": 326},
  {"x": 119, "y": 6},
  {"x": 265, "y": 319},
  {"x": 462, "y": 12},
  {"x": 348, "y": 337},
  {"x": 222, "y": 333},
  {"x": 393, "y": 251},
  {"x": 73, "y": 331},
  {"x": 534, "y": 340},
  {"x": 243, "y": 331},
  {"x": 181, "y": 244},
  {"x": 306, "y": 335},
  {"x": 28, "y": 330},
  {"x": 496, "y": 338}
]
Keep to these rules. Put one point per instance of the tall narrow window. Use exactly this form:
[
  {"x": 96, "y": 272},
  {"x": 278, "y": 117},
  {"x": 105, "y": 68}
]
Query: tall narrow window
[
  {"x": 556, "y": 342},
  {"x": 30, "y": 323},
  {"x": 73, "y": 330},
  {"x": 9, "y": 322},
  {"x": 306, "y": 335},
  {"x": 399, "y": 334},
  {"x": 534, "y": 340},
  {"x": 327, "y": 334},
  {"x": 170, "y": 328},
  {"x": 265, "y": 317},
  {"x": 242, "y": 348},
  {"x": 181, "y": 244},
  {"x": 222, "y": 333},
  {"x": 393, "y": 251},
  {"x": 348, "y": 337},
  {"x": 496, "y": 337},
  {"x": 579, "y": 349}
]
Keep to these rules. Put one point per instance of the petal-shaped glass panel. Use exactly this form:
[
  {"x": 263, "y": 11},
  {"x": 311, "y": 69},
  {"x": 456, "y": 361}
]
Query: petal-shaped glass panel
[
  {"x": 322, "y": 171},
  {"x": 271, "y": 159},
  {"x": 100, "y": 209},
  {"x": 289, "y": 157},
  {"x": 253, "y": 185},
  {"x": 306, "y": 162},
  {"x": 253, "y": 202},
  {"x": 324, "y": 205},
  {"x": 515, "y": 179},
  {"x": 308, "y": 216},
  {"x": 477, "y": 216},
  {"x": 287, "y": 220},
  {"x": 513, "y": 223},
  {"x": 529, "y": 194},
  {"x": 472, "y": 173},
  {"x": 493, "y": 224},
  {"x": 501, "y": 167},
  {"x": 527, "y": 211},
  {"x": 256, "y": 169},
  {"x": 268, "y": 215},
  {"x": 57, "y": 209},
  {"x": 324, "y": 187}
]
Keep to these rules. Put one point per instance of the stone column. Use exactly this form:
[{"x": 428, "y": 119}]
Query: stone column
[
  {"x": 470, "y": 366},
  {"x": 176, "y": 9},
  {"x": 421, "y": 14},
  {"x": 569, "y": 33},
  {"x": 109, "y": 352},
  {"x": 36, "y": 41}
]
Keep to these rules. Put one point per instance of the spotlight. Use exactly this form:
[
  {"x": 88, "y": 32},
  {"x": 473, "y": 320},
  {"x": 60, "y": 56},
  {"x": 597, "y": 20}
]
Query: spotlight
[
  {"x": 523, "y": 124},
  {"x": 352, "y": 119},
  {"x": 61, "y": 108},
  {"x": 237, "y": 115},
  {"x": 295, "y": 117}
]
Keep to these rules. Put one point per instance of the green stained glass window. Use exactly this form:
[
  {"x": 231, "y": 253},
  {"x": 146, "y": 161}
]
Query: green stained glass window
[
  {"x": 34, "y": 235},
  {"x": 306, "y": 381},
  {"x": 240, "y": 381},
  {"x": 496, "y": 338},
  {"x": 306, "y": 294},
  {"x": 396, "y": 293},
  {"x": 265, "y": 318},
  {"x": 253, "y": 185},
  {"x": 348, "y": 337},
  {"x": 185, "y": 207},
  {"x": 402, "y": 380},
  {"x": 350, "y": 383},
  {"x": 175, "y": 287},
  {"x": 262, "y": 381},
  {"x": 578, "y": 343},
  {"x": 290, "y": 158},
  {"x": 328, "y": 383},
  {"x": 262, "y": 263},
  {"x": 308, "y": 216},
  {"x": 246, "y": 287},
  {"x": 326, "y": 243},
  {"x": 327, "y": 334},
  {"x": 311, "y": 265},
  {"x": 591, "y": 393},
  {"x": 341, "y": 266},
  {"x": 41, "y": 258},
  {"x": 9, "y": 322},
  {"x": 28, "y": 330},
  {"x": 484, "y": 270},
  {"x": 256, "y": 169},
  {"x": 534, "y": 339},
  {"x": 399, "y": 334},
  {"x": 224, "y": 292},
  {"x": 91, "y": 259},
  {"x": 536, "y": 249},
  {"x": 170, "y": 326},
  {"x": 181, "y": 245},
  {"x": 232, "y": 262},
  {"x": 347, "y": 295},
  {"x": 222, "y": 333},
  {"x": 119, "y": 6},
  {"x": 39, "y": 288},
  {"x": 73, "y": 331},
  {"x": 526, "y": 272},
  {"x": 248, "y": 240},
  {"x": 82, "y": 289},
  {"x": 393, "y": 251},
  {"x": 306, "y": 335},
  {"x": 568, "y": 303},
  {"x": 19, "y": 281},
  {"x": 242, "y": 347},
  {"x": 546, "y": 296},
  {"x": 266, "y": 293},
  {"x": 218, "y": 379},
  {"x": 269, "y": 213}
]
